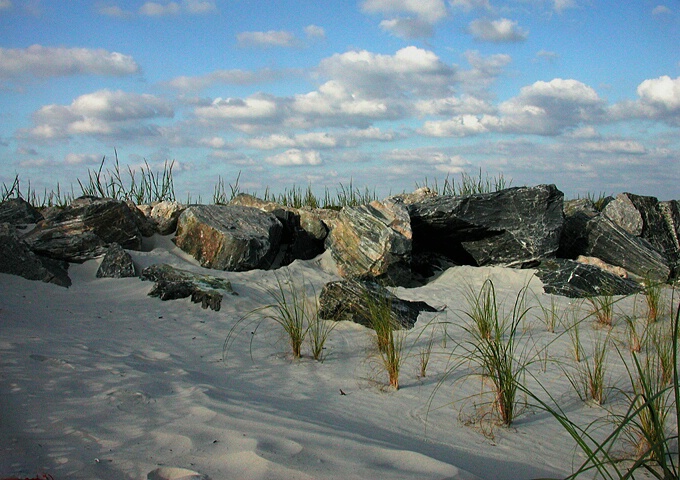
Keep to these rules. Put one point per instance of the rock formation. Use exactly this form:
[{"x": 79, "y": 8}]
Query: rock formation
[{"x": 117, "y": 263}]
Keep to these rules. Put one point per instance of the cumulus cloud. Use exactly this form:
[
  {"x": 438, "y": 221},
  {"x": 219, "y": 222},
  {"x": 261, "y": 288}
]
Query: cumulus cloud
[
  {"x": 409, "y": 70},
  {"x": 295, "y": 157},
  {"x": 661, "y": 10},
  {"x": 415, "y": 18},
  {"x": 256, "y": 107},
  {"x": 498, "y": 31},
  {"x": 113, "y": 11},
  {"x": 43, "y": 62},
  {"x": 271, "y": 38},
  {"x": 314, "y": 31},
  {"x": 468, "y": 5},
  {"x": 561, "y": 5},
  {"x": 222, "y": 77},
  {"x": 103, "y": 112},
  {"x": 628, "y": 147},
  {"x": 153, "y": 9},
  {"x": 5, "y": 5},
  {"x": 82, "y": 159},
  {"x": 549, "y": 108},
  {"x": 658, "y": 99}
]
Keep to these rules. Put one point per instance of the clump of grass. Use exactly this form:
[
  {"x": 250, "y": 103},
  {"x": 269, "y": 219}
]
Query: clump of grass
[
  {"x": 589, "y": 379},
  {"x": 551, "y": 315},
  {"x": 494, "y": 350},
  {"x": 148, "y": 187},
  {"x": 425, "y": 353},
  {"x": 573, "y": 329},
  {"x": 54, "y": 198},
  {"x": 468, "y": 184},
  {"x": 389, "y": 338},
  {"x": 647, "y": 421},
  {"x": 653, "y": 292},
  {"x": 319, "y": 330},
  {"x": 293, "y": 312},
  {"x": 602, "y": 309}
]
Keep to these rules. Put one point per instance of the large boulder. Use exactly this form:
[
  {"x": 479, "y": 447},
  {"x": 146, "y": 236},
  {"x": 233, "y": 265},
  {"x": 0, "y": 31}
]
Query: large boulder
[
  {"x": 229, "y": 237},
  {"x": 117, "y": 263},
  {"x": 304, "y": 231},
  {"x": 580, "y": 280},
  {"x": 348, "y": 300},
  {"x": 616, "y": 246},
  {"x": 17, "y": 259},
  {"x": 83, "y": 230},
  {"x": 644, "y": 217},
  {"x": 18, "y": 211},
  {"x": 513, "y": 227},
  {"x": 373, "y": 241},
  {"x": 173, "y": 283},
  {"x": 165, "y": 215},
  {"x": 574, "y": 239}
]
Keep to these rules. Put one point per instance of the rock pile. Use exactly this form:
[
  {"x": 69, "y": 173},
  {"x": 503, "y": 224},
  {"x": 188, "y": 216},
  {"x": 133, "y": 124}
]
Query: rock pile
[{"x": 578, "y": 249}]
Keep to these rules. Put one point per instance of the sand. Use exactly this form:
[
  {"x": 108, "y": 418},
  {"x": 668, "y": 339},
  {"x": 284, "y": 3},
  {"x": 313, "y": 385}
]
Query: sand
[{"x": 101, "y": 381}]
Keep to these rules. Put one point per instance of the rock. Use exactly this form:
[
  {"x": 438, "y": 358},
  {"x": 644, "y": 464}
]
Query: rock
[
  {"x": 17, "y": 259},
  {"x": 614, "y": 245},
  {"x": 303, "y": 233},
  {"x": 643, "y": 217},
  {"x": 346, "y": 300},
  {"x": 117, "y": 263},
  {"x": 18, "y": 211},
  {"x": 578, "y": 280},
  {"x": 574, "y": 240},
  {"x": 417, "y": 196},
  {"x": 144, "y": 224},
  {"x": 165, "y": 214},
  {"x": 671, "y": 214},
  {"x": 82, "y": 230},
  {"x": 229, "y": 237},
  {"x": 173, "y": 283},
  {"x": 618, "y": 271},
  {"x": 512, "y": 227},
  {"x": 373, "y": 241}
]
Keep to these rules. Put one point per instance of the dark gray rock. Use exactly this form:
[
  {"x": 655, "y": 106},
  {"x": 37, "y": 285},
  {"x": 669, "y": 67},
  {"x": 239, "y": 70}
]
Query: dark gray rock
[
  {"x": 145, "y": 225},
  {"x": 17, "y": 259},
  {"x": 373, "y": 241},
  {"x": 611, "y": 243},
  {"x": 574, "y": 238},
  {"x": 18, "y": 211},
  {"x": 83, "y": 230},
  {"x": 117, "y": 263},
  {"x": 304, "y": 232},
  {"x": 643, "y": 217},
  {"x": 229, "y": 237},
  {"x": 513, "y": 227},
  {"x": 348, "y": 300},
  {"x": 578, "y": 280},
  {"x": 173, "y": 283}
]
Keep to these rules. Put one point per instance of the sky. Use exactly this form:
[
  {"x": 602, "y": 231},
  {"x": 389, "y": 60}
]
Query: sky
[{"x": 383, "y": 94}]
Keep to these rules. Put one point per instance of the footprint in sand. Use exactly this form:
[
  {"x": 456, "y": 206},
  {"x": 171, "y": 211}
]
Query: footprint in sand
[
  {"x": 53, "y": 362},
  {"x": 172, "y": 473},
  {"x": 130, "y": 400}
]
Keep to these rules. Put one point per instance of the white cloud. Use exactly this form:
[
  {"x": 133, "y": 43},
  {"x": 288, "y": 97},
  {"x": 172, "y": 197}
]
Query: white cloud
[
  {"x": 252, "y": 108},
  {"x": 547, "y": 56},
  {"x": 561, "y": 5},
  {"x": 103, "y": 112},
  {"x": 43, "y": 62},
  {"x": 454, "y": 106},
  {"x": 5, "y": 5},
  {"x": 314, "y": 31},
  {"x": 198, "y": 7},
  {"x": 501, "y": 30},
  {"x": 415, "y": 18},
  {"x": 430, "y": 11},
  {"x": 661, "y": 93},
  {"x": 469, "y": 5},
  {"x": 272, "y": 38},
  {"x": 226, "y": 77},
  {"x": 459, "y": 126},
  {"x": 153, "y": 9},
  {"x": 82, "y": 159},
  {"x": 549, "y": 108},
  {"x": 113, "y": 11},
  {"x": 295, "y": 157},
  {"x": 409, "y": 70},
  {"x": 628, "y": 147},
  {"x": 661, "y": 10}
]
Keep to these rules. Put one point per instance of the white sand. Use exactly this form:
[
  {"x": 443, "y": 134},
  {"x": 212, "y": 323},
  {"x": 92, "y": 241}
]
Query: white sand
[{"x": 100, "y": 381}]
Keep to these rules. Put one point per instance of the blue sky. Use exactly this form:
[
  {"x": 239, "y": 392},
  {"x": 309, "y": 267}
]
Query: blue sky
[{"x": 383, "y": 93}]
